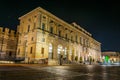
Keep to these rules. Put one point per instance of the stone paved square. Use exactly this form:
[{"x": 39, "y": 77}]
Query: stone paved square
[{"x": 64, "y": 72}]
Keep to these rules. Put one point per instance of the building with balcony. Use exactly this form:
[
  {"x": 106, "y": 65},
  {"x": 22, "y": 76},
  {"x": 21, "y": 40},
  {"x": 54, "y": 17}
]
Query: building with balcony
[
  {"x": 42, "y": 35},
  {"x": 8, "y": 44}
]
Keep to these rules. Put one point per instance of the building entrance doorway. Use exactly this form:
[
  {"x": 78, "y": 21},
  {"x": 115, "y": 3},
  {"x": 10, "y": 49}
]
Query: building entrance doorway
[
  {"x": 59, "y": 55},
  {"x": 50, "y": 56}
]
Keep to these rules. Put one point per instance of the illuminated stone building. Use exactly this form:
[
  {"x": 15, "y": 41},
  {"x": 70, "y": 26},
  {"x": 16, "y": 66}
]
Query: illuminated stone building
[
  {"x": 113, "y": 57},
  {"x": 8, "y": 44},
  {"x": 42, "y": 35}
]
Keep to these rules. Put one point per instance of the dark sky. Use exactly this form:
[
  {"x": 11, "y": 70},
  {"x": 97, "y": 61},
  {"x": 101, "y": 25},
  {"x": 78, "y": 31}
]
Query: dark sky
[{"x": 101, "y": 19}]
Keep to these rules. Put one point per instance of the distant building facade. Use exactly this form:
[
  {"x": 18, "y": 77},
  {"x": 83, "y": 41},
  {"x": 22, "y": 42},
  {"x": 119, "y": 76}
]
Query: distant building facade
[
  {"x": 41, "y": 35},
  {"x": 8, "y": 44},
  {"x": 113, "y": 56}
]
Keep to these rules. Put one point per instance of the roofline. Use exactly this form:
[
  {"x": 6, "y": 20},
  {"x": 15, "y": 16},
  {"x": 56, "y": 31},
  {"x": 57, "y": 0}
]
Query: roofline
[
  {"x": 64, "y": 22},
  {"x": 38, "y": 8}
]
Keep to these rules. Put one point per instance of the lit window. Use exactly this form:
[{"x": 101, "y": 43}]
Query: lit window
[{"x": 43, "y": 39}]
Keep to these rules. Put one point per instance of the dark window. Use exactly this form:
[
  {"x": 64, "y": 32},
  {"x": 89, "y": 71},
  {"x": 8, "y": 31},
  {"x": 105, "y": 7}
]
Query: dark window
[
  {"x": 42, "y": 51},
  {"x": 32, "y": 39},
  {"x": 29, "y": 19},
  {"x": 51, "y": 29},
  {"x": 35, "y": 16},
  {"x": 59, "y": 33},
  {"x": 71, "y": 38},
  {"x": 10, "y": 53},
  {"x": 76, "y": 38},
  {"x": 31, "y": 50},
  {"x": 80, "y": 40},
  {"x": 43, "y": 26},
  {"x": 44, "y": 17},
  {"x": 84, "y": 41},
  {"x": 28, "y": 28},
  {"x": 66, "y": 36},
  {"x": 34, "y": 26}
]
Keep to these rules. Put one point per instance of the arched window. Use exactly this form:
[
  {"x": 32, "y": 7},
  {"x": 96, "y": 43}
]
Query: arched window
[{"x": 50, "y": 51}]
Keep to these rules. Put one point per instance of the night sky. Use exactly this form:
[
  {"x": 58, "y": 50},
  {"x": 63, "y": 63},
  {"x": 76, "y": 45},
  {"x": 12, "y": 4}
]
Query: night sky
[{"x": 101, "y": 19}]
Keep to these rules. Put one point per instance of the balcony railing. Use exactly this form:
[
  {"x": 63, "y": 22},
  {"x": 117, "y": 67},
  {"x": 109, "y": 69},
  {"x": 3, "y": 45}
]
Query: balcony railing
[{"x": 56, "y": 35}]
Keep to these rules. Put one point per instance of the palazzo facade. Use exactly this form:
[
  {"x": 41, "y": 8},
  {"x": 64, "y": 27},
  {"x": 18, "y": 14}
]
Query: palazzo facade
[{"x": 42, "y": 35}]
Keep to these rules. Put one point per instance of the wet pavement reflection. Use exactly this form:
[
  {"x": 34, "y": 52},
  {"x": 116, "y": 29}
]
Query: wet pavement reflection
[{"x": 68, "y": 72}]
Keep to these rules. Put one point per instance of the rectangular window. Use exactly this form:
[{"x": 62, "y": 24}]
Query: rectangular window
[
  {"x": 51, "y": 29},
  {"x": 42, "y": 51},
  {"x": 32, "y": 39},
  {"x": 76, "y": 38},
  {"x": 80, "y": 40},
  {"x": 84, "y": 41},
  {"x": 71, "y": 38},
  {"x": 44, "y": 17},
  {"x": 59, "y": 33},
  {"x": 34, "y": 26},
  {"x": 43, "y": 26},
  {"x": 66, "y": 36},
  {"x": 43, "y": 39},
  {"x": 31, "y": 50},
  {"x": 28, "y": 28}
]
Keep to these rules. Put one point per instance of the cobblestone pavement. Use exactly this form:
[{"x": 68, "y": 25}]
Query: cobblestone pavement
[{"x": 68, "y": 72}]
